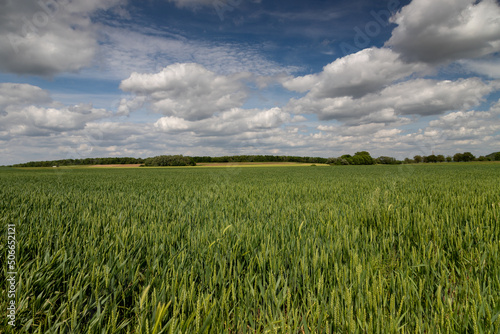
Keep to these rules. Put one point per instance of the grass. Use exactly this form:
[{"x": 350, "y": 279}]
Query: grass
[{"x": 354, "y": 249}]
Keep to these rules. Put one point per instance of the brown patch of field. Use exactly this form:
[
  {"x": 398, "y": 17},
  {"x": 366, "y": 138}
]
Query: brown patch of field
[{"x": 124, "y": 165}]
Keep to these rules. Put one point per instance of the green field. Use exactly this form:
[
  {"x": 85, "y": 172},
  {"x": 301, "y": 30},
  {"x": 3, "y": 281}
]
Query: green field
[{"x": 347, "y": 249}]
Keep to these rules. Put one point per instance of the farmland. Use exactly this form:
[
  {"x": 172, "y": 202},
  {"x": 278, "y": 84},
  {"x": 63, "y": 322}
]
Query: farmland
[{"x": 344, "y": 249}]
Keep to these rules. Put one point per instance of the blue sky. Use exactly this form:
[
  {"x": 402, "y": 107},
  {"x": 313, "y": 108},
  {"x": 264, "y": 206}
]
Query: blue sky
[{"x": 224, "y": 77}]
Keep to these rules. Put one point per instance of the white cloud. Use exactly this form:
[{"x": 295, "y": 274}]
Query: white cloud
[
  {"x": 365, "y": 129},
  {"x": 171, "y": 123},
  {"x": 355, "y": 75},
  {"x": 467, "y": 125},
  {"x": 40, "y": 121},
  {"x": 256, "y": 131},
  {"x": 132, "y": 48},
  {"x": 474, "y": 131},
  {"x": 385, "y": 133},
  {"x": 431, "y": 97},
  {"x": 27, "y": 110},
  {"x": 384, "y": 116},
  {"x": 48, "y": 37},
  {"x": 447, "y": 30},
  {"x": 189, "y": 91},
  {"x": 126, "y": 106},
  {"x": 415, "y": 97},
  {"x": 232, "y": 122},
  {"x": 355, "y": 130},
  {"x": 486, "y": 67},
  {"x": 13, "y": 94}
]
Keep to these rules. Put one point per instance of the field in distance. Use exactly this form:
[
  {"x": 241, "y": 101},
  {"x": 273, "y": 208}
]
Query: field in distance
[
  {"x": 344, "y": 249},
  {"x": 225, "y": 164},
  {"x": 256, "y": 164},
  {"x": 116, "y": 166}
]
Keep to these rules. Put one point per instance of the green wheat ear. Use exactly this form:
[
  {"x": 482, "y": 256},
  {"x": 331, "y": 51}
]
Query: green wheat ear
[
  {"x": 161, "y": 311},
  {"x": 144, "y": 297}
]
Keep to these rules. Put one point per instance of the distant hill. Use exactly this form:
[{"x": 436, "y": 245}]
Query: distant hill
[{"x": 494, "y": 156}]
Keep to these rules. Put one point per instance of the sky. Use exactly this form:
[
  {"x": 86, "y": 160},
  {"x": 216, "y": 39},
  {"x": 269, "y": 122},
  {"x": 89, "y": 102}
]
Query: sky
[{"x": 116, "y": 78}]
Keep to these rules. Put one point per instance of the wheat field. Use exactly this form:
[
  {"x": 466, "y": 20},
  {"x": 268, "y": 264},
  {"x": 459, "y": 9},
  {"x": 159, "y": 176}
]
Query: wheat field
[{"x": 344, "y": 249}]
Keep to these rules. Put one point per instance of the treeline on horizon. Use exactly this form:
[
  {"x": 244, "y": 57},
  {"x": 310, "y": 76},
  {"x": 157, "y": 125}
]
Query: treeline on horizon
[
  {"x": 359, "y": 158},
  {"x": 364, "y": 158},
  {"x": 83, "y": 162},
  {"x": 260, "y": 158}
]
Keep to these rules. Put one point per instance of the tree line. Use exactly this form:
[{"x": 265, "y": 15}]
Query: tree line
[
  {"x": 359, "y": 158},
  {"x": 364, "y": 158},
  {"x": 458, "y": 157},
  {"x": 82, "y": 162},
  {"x": 170, "y": 160},
  {"x": 260, "y": 158}
]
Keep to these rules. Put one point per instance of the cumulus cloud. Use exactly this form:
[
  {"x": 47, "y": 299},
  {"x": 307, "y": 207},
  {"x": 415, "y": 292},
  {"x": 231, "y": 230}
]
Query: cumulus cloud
[
  {"x": 27, "y": 110},
  {"x": 444, "y": 31},
  {"x": 366, "y": 128},
  {"x": 232, "y": 122},
  {"x": 39, "y": 121},
  {"x": 475, "y": 131},
  {"x": 188, "y": 91},
  {"x": 15, "y": 95},
  {"x": 126, "y": 106},
  {"x": 467, "y": 125},
  {"x": 355, "y": 130},
  {"x": 257, "y": 131},
  {"x": 172, "y": 124},
  {"x": 355, "y": 75},
  {"x": 48, "y": 37},
  {"x": 432, "y": 97},
  {"x": 422, "y": 97}
]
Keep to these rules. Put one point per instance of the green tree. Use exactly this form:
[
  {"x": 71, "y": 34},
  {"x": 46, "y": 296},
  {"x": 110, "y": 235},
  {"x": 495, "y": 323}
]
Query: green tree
[
  {"x": 458, "y": 157},
  {"x": 467, "y": 156},
  {"x": 430, "y": 158},
  {"x": 347, "y": 158},
  {"x": 363, "y": 158}
]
